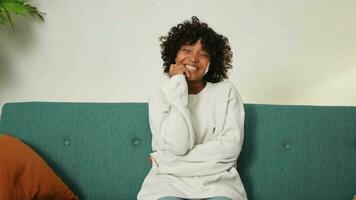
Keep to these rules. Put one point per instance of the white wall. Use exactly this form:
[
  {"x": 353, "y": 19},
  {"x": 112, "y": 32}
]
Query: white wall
[{"x": 285, "y": 52}]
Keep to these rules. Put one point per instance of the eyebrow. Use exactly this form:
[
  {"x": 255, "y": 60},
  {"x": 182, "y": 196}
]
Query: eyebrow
[{"x": 190, "y": 45}]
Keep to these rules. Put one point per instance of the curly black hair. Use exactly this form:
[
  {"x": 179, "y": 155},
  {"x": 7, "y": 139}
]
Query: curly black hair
[{"x": 188, "y": 33}]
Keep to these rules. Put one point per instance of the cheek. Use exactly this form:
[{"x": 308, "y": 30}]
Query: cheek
[
  {"x": 180, "y": 57},
  {"x": 206, "y": 62}
]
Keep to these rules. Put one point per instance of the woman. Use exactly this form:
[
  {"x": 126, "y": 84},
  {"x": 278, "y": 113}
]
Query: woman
[{"x": 196, "y": 120}]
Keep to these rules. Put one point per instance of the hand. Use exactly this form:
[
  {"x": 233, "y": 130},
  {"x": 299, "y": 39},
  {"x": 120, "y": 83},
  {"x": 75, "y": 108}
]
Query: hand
[
  {"x": 152, "y": 160},
  {"x": 175, "y": 69}
]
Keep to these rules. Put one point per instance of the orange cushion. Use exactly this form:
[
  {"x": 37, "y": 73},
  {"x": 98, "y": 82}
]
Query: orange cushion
[{"x": 25, "y": 175}]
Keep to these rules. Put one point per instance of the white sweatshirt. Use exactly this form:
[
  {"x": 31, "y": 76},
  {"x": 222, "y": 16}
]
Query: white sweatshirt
[{"x": 196, "y": 140}]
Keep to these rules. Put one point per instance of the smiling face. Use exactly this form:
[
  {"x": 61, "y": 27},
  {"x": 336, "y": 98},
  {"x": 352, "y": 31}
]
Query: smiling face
[{"x": 195, "y": 59}]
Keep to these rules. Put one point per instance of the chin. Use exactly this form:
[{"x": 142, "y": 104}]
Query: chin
[{"x": 194, "y": 79}]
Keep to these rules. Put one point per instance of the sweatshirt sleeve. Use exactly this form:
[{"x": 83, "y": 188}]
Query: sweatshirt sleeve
[
  {"x": 169, "y": 117},
  {"x": 228, "y": 144},
  {"x": 217, "y": 155}
]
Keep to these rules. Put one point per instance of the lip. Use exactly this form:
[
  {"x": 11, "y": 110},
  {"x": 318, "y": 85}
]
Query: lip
[{"x": 191, "y": 67}]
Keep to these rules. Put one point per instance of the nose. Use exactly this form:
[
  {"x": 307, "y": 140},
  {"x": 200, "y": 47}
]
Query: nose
[{"x": 194, "y": 57}]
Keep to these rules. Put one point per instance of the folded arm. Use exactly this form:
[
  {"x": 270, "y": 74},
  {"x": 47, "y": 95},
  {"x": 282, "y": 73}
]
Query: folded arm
[
  {"x": 217, "y": 155},
  {"x": 169, "y": 118}
]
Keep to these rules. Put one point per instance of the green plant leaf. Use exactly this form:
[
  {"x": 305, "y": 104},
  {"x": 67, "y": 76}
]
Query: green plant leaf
[
  {"x": 33, "y": 11},
  {"x": 10, "y": 20},
  {"x": 2, "y": 15},
  {"x": 15, "y": 7},
  {"x": 2, "y": 19}
]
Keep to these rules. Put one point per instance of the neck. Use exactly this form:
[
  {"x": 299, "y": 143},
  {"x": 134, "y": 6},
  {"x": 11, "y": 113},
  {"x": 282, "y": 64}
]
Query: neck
[{"x": 195, "y": 87}]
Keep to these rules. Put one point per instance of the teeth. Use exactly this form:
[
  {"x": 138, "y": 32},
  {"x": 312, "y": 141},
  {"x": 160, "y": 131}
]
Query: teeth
[{"x": 191, "y": 67}]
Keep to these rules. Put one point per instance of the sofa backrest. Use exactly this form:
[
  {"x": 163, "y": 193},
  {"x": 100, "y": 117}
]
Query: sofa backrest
[{"x": 100, "y": 149}]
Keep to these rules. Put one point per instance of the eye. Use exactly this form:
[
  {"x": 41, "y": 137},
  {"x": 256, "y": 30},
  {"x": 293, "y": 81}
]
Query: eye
[
  {"x": 205, "y": 55},
  {"x": 185, "y": 50}
]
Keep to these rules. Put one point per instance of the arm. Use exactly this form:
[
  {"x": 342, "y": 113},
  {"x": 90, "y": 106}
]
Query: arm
[
  {"x": 227, "y": 145},
  {"x": 169, "y": 118},
  {"x": 217, "y": 155}
]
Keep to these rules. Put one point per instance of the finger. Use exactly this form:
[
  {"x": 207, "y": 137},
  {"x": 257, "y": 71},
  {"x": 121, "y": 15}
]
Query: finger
[
  {"x": 171, "y": 67},
  {"x": 171, "y": 71},
  {"x": 179, "y": 69},
  {"x": 180, "y": 66},
  {"x": 187, "y": 73}
]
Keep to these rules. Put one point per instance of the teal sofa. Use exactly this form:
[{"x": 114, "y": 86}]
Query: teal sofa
[{"x": 100, "y": 150}]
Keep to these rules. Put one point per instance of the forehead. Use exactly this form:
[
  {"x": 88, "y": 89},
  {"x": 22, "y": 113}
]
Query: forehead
[{"x": 194, "y": 43}]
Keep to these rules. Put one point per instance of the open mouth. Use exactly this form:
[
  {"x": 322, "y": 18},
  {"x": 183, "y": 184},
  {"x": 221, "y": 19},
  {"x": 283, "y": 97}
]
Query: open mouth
[{"x": 191, "y": 68}]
